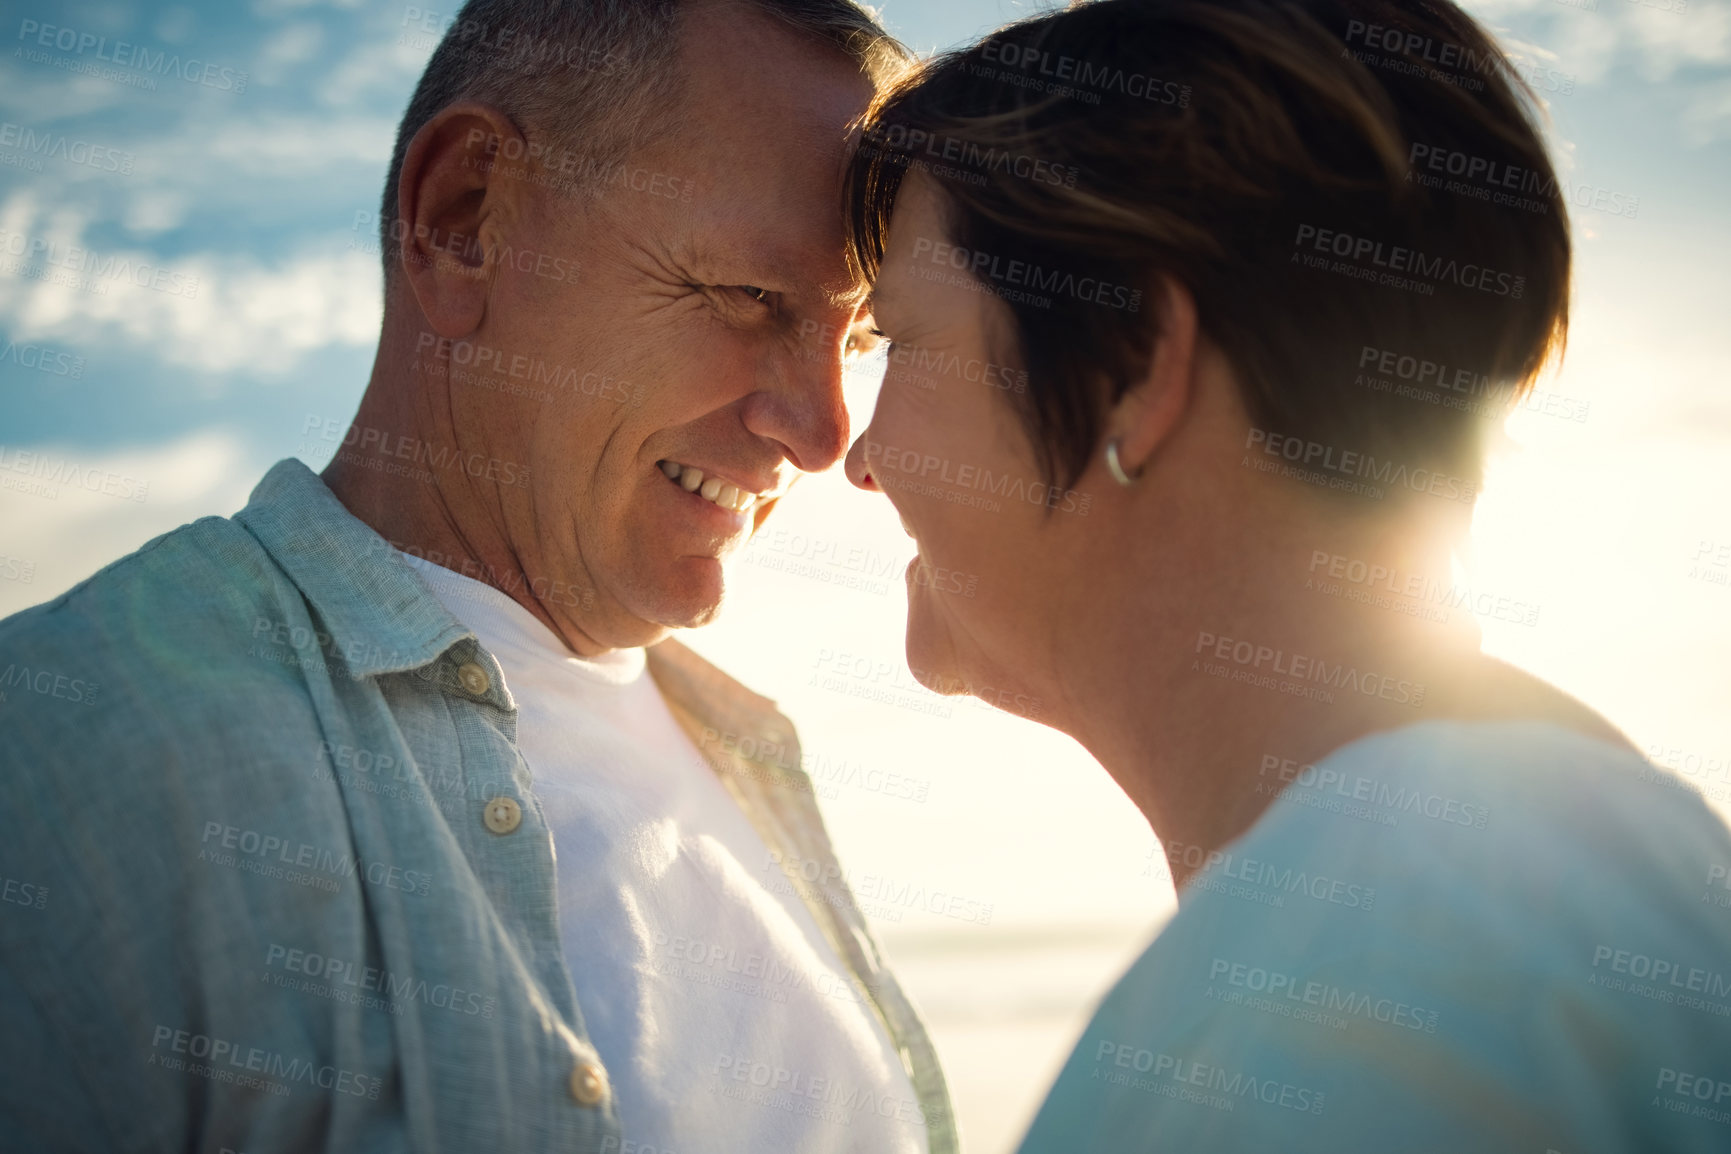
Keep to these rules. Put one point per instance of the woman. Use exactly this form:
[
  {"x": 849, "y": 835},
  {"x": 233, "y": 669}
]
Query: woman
[{"x": 1198, "y": 309}]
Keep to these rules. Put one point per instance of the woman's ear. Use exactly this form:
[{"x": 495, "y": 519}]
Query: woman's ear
[{"x": 1146, "y": 415}]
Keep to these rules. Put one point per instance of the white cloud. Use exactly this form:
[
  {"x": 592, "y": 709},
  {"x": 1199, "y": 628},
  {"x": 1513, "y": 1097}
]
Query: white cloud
[
  {"x": 244, "y": 315},
  {"x": 1708, "y": 117},
  {"x": 289, "y": 46},
  {"x": 1654, "y": 39},
  {"x": 67, "y": 537},
  {"x": 385, "y": 69},
  {"x": 1668, "y": 41}
]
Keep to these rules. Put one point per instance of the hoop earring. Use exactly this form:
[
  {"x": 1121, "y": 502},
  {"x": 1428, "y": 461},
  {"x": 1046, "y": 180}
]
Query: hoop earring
[{"x": 1116, "y": 467}]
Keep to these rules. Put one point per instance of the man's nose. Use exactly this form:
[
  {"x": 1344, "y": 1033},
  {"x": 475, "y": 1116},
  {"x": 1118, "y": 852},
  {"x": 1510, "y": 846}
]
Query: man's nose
[{"x": 806, "y": 414}]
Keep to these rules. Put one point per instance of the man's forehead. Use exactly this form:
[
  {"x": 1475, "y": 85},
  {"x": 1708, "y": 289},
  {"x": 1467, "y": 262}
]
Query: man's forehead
[
  {"x": 751, "y": 72},
  {"x": 803, "y": 249}
]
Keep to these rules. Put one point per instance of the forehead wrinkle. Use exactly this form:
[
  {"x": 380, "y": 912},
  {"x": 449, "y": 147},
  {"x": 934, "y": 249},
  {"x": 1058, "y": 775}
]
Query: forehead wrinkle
[{"x": 800, "y": 262}]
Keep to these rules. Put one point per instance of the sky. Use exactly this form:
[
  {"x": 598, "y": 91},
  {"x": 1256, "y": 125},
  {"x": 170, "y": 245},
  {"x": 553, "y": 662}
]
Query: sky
[{"x": 242, "y": 195}]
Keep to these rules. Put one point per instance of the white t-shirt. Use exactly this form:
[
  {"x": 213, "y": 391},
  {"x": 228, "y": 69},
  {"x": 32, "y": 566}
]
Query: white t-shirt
[
  {"x": 1503, "y": 938},
  {"x": 725, "y": 1020}
]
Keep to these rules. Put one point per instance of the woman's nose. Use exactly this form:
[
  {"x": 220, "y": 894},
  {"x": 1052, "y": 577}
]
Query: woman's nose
[{"x": 859, "y": 463}]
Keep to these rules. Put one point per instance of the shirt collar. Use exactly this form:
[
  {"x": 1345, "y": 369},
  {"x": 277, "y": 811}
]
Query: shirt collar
[{"x": 381, "y": 616}]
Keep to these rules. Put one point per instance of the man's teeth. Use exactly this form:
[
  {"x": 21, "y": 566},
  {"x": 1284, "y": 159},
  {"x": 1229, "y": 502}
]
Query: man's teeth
[{"x": 711, "y": 489}]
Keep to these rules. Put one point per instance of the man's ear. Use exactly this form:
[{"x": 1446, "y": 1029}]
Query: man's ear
[
  {"x": 455, "y": 203},
  {"x": 1146, "y": 415}
]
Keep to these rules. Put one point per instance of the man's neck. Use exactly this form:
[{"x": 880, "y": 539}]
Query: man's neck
[{"x": 440, "y": 514}]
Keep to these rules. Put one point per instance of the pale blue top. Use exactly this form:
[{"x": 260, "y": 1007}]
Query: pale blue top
[
  {"x": 250, "y": 765},
  {"x": 275, "y": 873},
  {"x": 1448, "y": 937}
]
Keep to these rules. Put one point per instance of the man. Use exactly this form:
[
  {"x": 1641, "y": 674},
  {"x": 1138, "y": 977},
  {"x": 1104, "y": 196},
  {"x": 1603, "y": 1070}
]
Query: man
[{"x": 296, "y": 832}]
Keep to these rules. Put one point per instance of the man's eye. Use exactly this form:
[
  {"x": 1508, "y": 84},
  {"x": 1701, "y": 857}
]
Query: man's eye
[{"x": 761, "y": 296}]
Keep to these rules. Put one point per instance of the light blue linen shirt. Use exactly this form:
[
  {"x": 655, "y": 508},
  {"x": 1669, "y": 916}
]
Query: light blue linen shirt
[
  {"x": 273, "y": 875},
  {"x": 1449, "y": 937}
]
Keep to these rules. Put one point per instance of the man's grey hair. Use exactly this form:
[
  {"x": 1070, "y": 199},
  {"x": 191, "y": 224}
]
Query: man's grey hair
[{"x": 598, "y": 72}]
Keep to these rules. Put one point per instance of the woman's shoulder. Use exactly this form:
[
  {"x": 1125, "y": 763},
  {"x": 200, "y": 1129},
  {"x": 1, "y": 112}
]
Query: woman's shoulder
[
  {"x": 1505, "y": 836},
  {"x": 1516, "y": 914}
]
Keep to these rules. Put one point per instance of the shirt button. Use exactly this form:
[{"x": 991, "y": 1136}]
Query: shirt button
[
  {"x": 474, "y": 678},
  {"x": 588, "y": 1084},
  {"x": 503, "y": 815}
]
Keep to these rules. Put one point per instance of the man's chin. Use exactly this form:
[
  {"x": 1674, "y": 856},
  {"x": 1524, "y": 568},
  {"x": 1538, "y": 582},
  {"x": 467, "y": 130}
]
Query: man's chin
[{"x": 688, "y": 598}]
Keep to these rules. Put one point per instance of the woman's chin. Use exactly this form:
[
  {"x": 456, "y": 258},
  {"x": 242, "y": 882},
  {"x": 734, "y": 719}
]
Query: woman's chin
[{"x": 930, "y": 656}]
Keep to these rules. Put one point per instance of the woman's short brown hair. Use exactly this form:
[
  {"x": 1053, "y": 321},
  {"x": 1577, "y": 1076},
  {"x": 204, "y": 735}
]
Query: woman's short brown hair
[{"x": 1354, "y": 191}]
